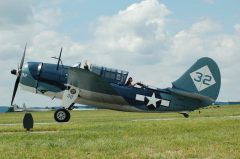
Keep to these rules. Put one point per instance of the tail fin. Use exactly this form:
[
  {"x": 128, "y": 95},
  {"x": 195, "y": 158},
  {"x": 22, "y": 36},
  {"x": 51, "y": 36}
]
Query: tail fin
[{"x": 202, "y": 78}]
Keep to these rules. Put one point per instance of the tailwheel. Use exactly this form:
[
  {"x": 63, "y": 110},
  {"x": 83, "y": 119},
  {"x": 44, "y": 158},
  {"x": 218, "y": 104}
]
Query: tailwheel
[
  {"x": 185, "y": 115},
  {"x": 62, "y": 115}
]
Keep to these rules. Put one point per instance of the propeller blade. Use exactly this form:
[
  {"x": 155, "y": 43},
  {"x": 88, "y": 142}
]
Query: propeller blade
[
  {"x": 23, "y": 57},
  {"x": 59, "y": 59},
  {"x": 18, "y": 73},
  {"x": 15, "y": 89}
]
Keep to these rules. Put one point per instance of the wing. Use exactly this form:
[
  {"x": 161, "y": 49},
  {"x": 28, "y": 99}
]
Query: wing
[{"x": 80, "y": 80}]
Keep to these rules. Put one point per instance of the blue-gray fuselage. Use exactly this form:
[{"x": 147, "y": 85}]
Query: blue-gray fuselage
[{"x": 95, "y": 90}]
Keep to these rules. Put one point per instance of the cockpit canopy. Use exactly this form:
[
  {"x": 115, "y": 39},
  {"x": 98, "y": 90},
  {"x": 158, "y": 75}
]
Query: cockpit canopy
[{"x": 111, "y": 75}]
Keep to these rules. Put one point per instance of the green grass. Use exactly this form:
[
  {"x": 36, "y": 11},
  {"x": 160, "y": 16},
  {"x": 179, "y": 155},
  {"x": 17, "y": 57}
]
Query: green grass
[{"x": 215, "y": 133}]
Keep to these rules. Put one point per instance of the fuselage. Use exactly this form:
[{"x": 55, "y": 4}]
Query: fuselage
[{"x": 100, "y": 91}]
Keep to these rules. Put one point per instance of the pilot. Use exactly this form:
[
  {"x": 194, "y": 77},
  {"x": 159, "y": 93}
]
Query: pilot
[
  {"x": 129, "y": 82},
  {"x": 86, "y": 66}
]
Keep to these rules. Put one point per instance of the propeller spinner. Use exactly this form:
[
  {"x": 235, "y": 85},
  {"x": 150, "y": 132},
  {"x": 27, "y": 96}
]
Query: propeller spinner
[{"x": 18, "y": 74}]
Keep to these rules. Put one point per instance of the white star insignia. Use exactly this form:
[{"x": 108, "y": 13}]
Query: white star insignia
[{"x": 153, "y": 100}]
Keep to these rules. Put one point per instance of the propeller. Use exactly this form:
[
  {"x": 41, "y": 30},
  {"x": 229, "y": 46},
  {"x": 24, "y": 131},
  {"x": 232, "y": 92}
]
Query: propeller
[{"x": 18, "y": 73}]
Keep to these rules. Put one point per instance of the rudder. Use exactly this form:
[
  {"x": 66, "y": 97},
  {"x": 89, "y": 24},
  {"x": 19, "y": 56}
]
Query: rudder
[{"x": 202, "y": 78}]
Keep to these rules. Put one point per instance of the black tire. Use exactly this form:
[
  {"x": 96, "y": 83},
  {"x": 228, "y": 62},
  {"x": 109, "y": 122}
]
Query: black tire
[{"x": 62, "y": 115}]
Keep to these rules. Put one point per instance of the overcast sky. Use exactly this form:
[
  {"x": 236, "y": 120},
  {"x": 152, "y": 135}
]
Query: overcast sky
[{"x": 155, "y": 40}]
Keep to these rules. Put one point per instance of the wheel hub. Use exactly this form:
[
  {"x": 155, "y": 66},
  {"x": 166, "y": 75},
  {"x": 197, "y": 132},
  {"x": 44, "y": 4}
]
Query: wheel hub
[{"x": 61, "y": 115}]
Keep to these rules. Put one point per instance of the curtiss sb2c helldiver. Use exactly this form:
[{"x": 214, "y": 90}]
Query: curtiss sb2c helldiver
[{"x": 109, "y": 88}]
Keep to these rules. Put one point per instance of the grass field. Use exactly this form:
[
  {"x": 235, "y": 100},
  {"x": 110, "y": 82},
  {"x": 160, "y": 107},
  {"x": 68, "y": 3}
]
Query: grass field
[{"x": 215, "y": 133}]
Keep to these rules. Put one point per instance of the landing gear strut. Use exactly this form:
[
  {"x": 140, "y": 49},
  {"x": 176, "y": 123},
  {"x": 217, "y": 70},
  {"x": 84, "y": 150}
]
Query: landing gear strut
[{"x": 62, "y": 115}]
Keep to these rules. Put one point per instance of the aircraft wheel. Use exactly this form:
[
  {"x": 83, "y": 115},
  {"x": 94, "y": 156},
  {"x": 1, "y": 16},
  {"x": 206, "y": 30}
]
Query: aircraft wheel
[
  {"x": 185, "y": 115},
  {"x": 62, "y": 115}
]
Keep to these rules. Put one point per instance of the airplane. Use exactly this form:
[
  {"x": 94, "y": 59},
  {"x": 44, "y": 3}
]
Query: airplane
[{"x": 105, "y": 87}]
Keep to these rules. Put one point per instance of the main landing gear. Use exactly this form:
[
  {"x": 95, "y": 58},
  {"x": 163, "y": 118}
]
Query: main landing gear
[{"x": 62, "y": 115}]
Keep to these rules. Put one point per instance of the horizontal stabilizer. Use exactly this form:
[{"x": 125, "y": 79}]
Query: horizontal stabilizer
[{"x": 191, "y": 95}]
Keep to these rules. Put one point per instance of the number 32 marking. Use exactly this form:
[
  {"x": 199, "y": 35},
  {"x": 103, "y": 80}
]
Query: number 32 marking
[{"x": 206, "y": 79}]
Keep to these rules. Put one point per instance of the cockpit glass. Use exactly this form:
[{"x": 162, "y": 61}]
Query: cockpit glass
[{"x": 111, "y": 75}]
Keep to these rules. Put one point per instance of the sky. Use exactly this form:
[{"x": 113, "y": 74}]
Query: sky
[{"x": 155, "y": 40}]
